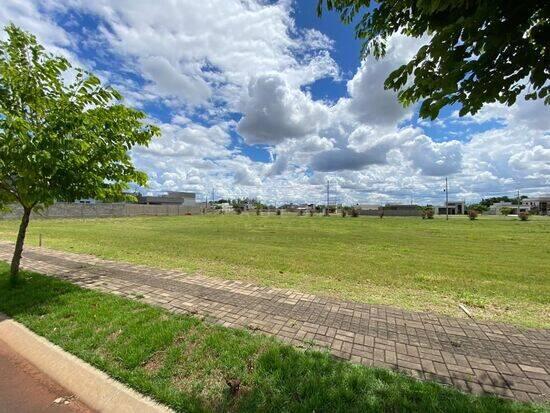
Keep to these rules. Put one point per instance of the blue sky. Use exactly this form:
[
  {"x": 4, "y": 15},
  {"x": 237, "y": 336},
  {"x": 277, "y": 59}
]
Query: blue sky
[{"x": 265, "y": 99}]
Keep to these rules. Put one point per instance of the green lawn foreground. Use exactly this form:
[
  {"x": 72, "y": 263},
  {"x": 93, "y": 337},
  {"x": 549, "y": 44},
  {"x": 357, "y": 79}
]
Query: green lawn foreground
[
  {"x": 499, "y": 267},
  {"x": 186, "y": 363}
]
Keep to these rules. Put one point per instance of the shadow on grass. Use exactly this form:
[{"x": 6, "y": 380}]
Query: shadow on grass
[
  {"x": 188, "y": 364},
  {"x": 31, "y": 294}
]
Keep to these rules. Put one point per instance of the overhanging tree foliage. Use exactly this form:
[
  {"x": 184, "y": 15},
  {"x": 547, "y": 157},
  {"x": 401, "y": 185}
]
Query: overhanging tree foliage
[
  {"x": 481, "y": 51},
  {"x": 60, "y": 139}
]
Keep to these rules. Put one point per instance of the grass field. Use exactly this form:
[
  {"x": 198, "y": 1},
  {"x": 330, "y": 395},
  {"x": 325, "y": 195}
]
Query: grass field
[
  {"x": 498, "y": 267},
  {"x": 186, "y": 363}
]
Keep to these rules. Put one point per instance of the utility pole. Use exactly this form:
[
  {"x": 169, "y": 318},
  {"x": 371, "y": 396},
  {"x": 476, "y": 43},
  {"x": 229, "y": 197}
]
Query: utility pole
[
  {"x": 328, "y": 198},
  {"x": 447, "y": 198},
  {"x": 328, "y": 193}
]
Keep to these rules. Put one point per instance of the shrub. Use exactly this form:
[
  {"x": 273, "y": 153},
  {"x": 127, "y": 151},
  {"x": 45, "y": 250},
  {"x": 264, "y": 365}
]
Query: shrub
[
  {"x": 505, "y": 211},
  {"x": 472, "y": 214},
  {"x": 311, "y": 212},
  {"x": 344, "y": 213},
  {"x": 428, "y": 213},
  {"x": 354, "y": 212},
  {"x": 258, "y": 211},
  {"x": 300, "y": 212},
  {"x": 278, "y": 212},
  {"x": 523, "y": 215},
  {"x": 238, "y": 210}
]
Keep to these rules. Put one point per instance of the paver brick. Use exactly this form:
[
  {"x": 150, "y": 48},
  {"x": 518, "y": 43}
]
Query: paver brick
[
  {"x": 544, "y": 387},
  {"x": 390, "y": 357},
  {"x": 533, "y": 369},
  {"x": 428, "y": 366},
  {"x": 462, "y": 369},
  {"x": 477, "y": 357}
]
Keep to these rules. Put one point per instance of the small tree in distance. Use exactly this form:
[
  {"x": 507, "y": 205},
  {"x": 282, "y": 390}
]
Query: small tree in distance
[
  {"x": 427, "y": 212},
  {"x": 430, "y": 213},
  {"x": 480, "y": 208},
  {"x": 60, "y": 139},
  {"x": 505, "y": 211}
]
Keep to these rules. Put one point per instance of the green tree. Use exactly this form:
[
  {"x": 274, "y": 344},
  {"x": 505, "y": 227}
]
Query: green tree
[
  {"x": 505, "y": 211},
  {"x": 479, "y": 51},
  {"x": 478, "y": 207},
  {"x": 490, "y": 201},
  {"x": 60, "y": 139},
  {"x": 493, "y": 200},
  {"x": 427, "y": 212}
]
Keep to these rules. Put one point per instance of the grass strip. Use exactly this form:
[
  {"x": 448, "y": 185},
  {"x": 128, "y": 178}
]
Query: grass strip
[
  {"x": 496, "y": 267},
  {"x": 194, "y": 366}
]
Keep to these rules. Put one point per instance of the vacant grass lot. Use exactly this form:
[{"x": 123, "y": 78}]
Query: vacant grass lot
[
  {"x": 499, "y": 267},
  {"x": 186, "y": 363}
]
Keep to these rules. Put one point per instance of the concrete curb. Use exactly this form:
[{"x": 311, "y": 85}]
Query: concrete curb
[{"x": 93, "y": 387}]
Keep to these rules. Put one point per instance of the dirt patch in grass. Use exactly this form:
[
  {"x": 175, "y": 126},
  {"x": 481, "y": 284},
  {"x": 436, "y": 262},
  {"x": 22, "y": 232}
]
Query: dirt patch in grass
[
  {"x": 114, "y": 335},
  {"x": 155, "y": 363}
]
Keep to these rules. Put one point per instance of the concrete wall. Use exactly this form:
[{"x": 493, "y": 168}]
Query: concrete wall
[
  {"x": 392, "y": 212},
  {"x": 72, "y": 210}
]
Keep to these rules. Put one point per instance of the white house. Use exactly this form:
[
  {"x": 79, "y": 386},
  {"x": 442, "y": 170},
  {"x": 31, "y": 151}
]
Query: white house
[
  {"x": 226, "y": 207},
  {"x": 496, "y": 208},
  {"x": 454, "y": 208},
  {"x": 541, "y": 204}
]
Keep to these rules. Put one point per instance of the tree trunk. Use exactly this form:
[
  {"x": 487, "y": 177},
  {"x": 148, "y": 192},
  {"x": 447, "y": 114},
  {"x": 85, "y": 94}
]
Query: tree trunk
[{"x": 14, "y": 271}]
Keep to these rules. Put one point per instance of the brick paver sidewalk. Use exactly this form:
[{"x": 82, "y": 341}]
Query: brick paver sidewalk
[{"x": 477, "y": 357}]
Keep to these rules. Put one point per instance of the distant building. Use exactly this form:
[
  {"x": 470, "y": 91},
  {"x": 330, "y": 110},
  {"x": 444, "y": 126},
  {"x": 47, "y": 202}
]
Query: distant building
[
  {"x": 390, "y": 210},
  {"x": 541, "y": 204},
  {"x": 170, "y": 198},
  {"x": 225, "y": 207},
  {"x": 367, "y": 207},
  {"x": 454, "y": 207},
  {"x": 87, "y": 201},
  {"x": 496, "y": 208}
]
